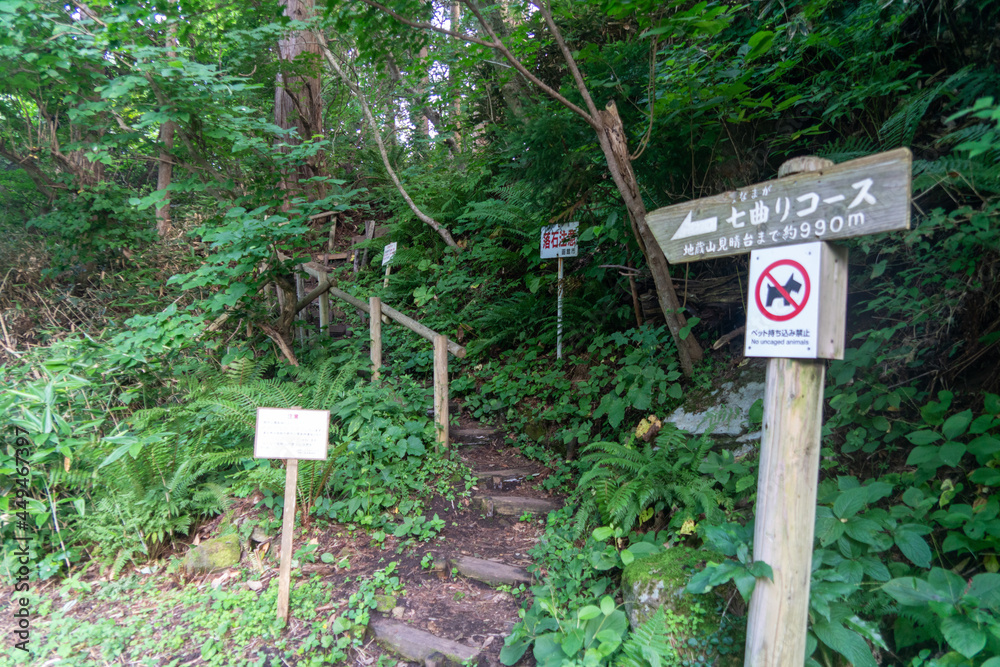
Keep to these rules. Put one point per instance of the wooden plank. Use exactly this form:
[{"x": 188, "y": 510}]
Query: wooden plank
[
  {"x": 473, "y": 436},
  {"x": 441, "y": 391},
  {"x": 490, "y": 572},
  {"x": 833, "y": 302},
  {"x": 515, "y": 505},
  {"x": 375, "y": 329},
  {"x": 421, "y": 330},
  {"x": 324, "y": 314},
  {"x": 420, "y": 646},
  {"x": 786, "y": 510},
  {"x": 300, "y": 289},
  {"x": 333, "y": 256},
  {"x": 287, "y": 527},
  {"x": 508, "y": 474},
  {"x": 320, "y": 274},
  {"x": 863, "y": 196}
]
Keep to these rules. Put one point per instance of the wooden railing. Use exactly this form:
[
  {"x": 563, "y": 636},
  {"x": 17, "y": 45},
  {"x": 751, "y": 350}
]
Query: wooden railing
[{"x": 379, "y": 313}]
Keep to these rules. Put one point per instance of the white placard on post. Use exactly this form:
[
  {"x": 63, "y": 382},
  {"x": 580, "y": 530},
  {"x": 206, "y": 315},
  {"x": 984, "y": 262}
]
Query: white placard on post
[
  {"x": 291, "y": 434},
  {"x": 388, "y": 253},
  {"x": 795, "y": 309},
  {"x": 559, "y": 240}
]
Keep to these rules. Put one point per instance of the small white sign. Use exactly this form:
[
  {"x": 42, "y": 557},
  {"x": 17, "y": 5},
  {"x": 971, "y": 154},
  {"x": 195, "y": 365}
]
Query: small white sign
[
  {"x": 559, "y": 240},
  {"x": 783, "y": 310},
  {"x": 291, "y": 434},
  {"x": 388, "y": 253}
]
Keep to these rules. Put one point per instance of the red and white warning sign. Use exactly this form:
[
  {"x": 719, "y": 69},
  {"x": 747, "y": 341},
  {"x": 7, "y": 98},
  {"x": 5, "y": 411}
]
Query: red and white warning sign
[
  {"x": 783, "y": 290},
  {"x": 783, "y": 309}
]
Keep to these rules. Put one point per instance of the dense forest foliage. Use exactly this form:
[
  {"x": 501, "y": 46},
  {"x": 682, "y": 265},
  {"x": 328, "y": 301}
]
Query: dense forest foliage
[{"x": 165, "y": 169}]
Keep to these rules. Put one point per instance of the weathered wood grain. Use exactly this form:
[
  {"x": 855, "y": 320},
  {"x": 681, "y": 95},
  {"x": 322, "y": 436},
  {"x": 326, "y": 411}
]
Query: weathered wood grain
[{"x": 832, "y": 203}]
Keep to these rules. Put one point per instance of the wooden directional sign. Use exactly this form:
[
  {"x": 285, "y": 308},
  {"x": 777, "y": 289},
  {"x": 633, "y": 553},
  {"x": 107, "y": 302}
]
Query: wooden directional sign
[{"x": 864, "y": 196}]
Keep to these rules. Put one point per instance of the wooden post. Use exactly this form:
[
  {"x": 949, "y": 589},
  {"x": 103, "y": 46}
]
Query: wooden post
[
  {"x": 786, "y": 511},
  {"x": 786, "y": 498},
  {"x": 324, "y": 314},
  {"x": 287, "y": 527},
  {"x": 385, "y": 283},
  {"x": 375, "y": 328},
  {"x": 300, "y": 333},
  {"x": 441, "y": 391}
]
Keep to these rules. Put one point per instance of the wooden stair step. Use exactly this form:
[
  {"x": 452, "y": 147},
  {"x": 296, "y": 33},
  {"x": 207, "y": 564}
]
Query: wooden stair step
[
  {"x": 472, "y": 436},
  {"x": 499, "y": 479},
  {"x": 452, "y": 409},
  {"x": 507, "y": 474},
  {"x": 515, "y": 505},
  {"x": 489, "y": 571},
  {"x": 421, "y": 646}
]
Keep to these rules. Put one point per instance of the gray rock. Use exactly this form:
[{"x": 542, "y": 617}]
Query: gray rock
[
  {"x": 725, "y": 410},
  {"x": 659, "y": 581},
  {"x": 215, "y": 554},
  {"x": 651, "y": 582}
]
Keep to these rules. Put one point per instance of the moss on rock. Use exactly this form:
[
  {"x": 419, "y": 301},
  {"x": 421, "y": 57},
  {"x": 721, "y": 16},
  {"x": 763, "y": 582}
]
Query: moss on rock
[
  {"x": 215, "y": 554},
  {"x": 694, "y": 623}
]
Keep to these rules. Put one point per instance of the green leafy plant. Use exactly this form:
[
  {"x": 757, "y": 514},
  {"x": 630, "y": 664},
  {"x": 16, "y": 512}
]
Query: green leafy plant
[{"x": 625, "y": 482}]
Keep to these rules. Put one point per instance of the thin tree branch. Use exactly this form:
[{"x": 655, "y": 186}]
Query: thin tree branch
[
  {"x": 496, "y": 45},
  {"x": 581, "y": 85},
  {"x": 428, "y": 112},
  {"x": 431, "y": 222}
]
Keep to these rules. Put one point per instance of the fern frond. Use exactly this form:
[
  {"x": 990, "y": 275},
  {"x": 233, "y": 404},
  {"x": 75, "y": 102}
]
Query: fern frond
[{"x": 648, "y": 645}]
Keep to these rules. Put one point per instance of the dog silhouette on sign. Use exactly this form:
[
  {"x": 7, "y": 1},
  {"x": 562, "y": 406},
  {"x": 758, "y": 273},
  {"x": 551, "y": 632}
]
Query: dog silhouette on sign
[{"x": 791, "y": 286}]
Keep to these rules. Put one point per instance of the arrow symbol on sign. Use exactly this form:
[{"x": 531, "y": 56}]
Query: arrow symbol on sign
[{"x": 692, "y": 227}]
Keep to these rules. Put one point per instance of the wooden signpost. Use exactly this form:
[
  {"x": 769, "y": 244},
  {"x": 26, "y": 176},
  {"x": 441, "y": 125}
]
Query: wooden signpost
[
  {"x": 559, "y": 241},
  {"x": 387, "y": 255},
  {"x": 291, "y": 435},
  {"x": 864, "y": 196},
  {"x": 796, "y": 311}
]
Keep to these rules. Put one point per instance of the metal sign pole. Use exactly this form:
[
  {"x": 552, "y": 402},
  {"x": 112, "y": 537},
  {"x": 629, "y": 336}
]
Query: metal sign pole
[
  {"x": 559, "y": 241},
  {"x": 559, "y": 312}
]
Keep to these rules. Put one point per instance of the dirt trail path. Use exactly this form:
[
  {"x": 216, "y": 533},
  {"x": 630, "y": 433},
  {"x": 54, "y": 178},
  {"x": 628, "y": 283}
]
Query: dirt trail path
[{"x": 460, "y": 601}]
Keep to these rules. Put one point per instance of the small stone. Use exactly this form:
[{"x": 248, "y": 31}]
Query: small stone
[
  {"x": 214, "y": 554},
  {"x": 398, "y": 612},
  {"x": 385, "y": 603},
  {"x": 255, "y": 585},
  {"x": 259, "y": 535}
]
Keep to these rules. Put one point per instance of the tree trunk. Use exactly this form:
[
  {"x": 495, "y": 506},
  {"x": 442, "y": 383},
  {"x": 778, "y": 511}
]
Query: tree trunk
[
  {"x": 298, "y": 105},
  {"x": 164, "y": 174},
  {"x": 165, "y": 170},
  {"x": 298, "y": 102},
  {"x": 456, "y": 20},
  {"x": 615, "y": 148},
  {"x": 512, "y": 88},
  {"x": 421, "y": 125}
]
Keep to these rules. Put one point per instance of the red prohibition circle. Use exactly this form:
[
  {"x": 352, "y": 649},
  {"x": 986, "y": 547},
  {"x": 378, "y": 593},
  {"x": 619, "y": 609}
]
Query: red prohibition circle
[{"x": 766, "y": 273}]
